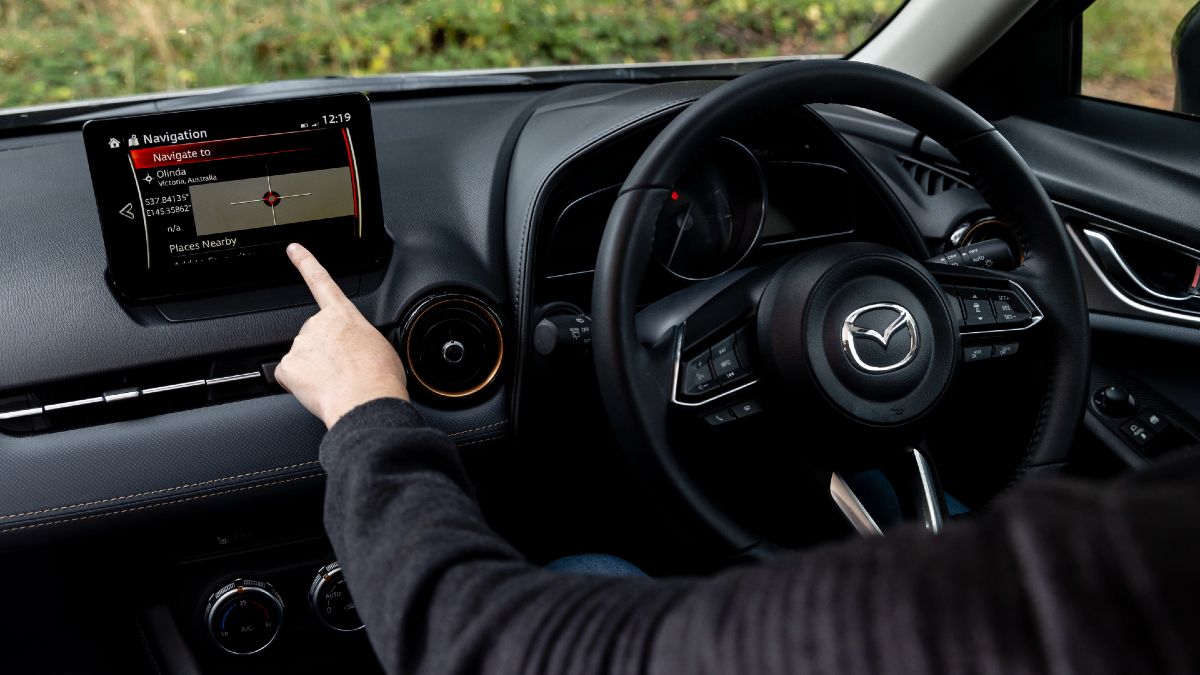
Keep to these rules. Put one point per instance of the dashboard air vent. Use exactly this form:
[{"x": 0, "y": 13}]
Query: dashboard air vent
[
  {"x": 453, "y": 345},
  {"x": 932, "y": 180}
]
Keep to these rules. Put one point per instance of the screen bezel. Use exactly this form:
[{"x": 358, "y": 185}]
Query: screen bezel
[{"x": 126, "y": 247}]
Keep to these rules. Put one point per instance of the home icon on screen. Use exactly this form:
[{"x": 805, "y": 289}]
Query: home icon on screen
[{"x": 114, "y": 143}]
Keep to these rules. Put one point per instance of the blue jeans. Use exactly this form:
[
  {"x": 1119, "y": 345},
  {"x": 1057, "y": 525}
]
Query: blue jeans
[{"x": 598, "y": 564}]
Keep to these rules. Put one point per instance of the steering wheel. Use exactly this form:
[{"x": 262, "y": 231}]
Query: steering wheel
[{"x": 856, "y": 331}]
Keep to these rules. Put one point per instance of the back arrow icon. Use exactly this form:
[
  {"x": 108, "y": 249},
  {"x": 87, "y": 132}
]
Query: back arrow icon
[{"x": 127, "y": 211}]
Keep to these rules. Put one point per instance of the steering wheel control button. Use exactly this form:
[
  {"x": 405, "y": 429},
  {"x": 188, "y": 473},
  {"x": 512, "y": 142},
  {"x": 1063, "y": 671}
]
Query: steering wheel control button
[
  {"x": 723, "y": 348},
  {"x": 1005, "y": 350},
  {"x": 698, "y": 376},
  {"x": 330, "y": 600},
  {"x": 725, "y": 364},
  {"x": 977, "y": 306},
  {"x": 1115, "y": 401},
  {"x": 1009, "y": 308},
  {"x": 980, "y": 353},
  {"x": 243, "y": 616},
  {"x": 1138, "y": 432},
  {"x": 720, "y": 417},
  {"x": 746, "y": 409}
]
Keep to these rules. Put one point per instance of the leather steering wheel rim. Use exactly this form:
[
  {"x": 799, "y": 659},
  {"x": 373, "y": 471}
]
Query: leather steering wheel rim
[{"x": 634, "y": 397}]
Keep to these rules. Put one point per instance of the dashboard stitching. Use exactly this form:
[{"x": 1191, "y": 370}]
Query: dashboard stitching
[
  {"x": 468, "y": 431},
  {"x": 482, "y": 440},
  {"x": 159, "y": 491},
  {"x": 527, "y": 220},
  {"x": 154, "y": 506},
  {"x": 185, "y": 486}
]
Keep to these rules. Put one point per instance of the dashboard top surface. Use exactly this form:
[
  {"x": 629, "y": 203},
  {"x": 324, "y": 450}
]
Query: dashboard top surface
[{"x": 463, "y": 179}]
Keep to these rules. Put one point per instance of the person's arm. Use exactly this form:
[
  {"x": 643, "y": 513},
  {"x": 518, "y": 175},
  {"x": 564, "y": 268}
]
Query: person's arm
[
  {"x": 1065, "y": 578},
  {"x": 438, "y": 590},
  {"x": 1058, "y": 578}
]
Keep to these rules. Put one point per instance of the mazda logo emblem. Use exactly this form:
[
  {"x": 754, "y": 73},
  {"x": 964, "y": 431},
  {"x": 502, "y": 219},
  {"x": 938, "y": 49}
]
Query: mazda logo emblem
[{"x": 899, "y": 324}]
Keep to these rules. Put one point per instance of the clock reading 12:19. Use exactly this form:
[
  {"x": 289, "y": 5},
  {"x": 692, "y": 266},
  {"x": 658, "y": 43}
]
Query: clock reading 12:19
[{"x": 336, "y": 118}]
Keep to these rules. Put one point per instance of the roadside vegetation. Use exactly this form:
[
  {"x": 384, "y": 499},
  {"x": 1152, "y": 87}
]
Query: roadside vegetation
[
  {"x": 1127, "y": 50},
  {"x": 63, "y": 50}
]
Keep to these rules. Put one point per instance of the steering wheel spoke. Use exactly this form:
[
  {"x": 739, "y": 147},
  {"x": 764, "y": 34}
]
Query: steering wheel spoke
[
  {"x": 918, "y": 491},
  {"x": 711, "y": 332}
]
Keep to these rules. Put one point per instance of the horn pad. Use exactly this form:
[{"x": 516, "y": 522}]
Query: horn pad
[{"x": 864, "y": 324}]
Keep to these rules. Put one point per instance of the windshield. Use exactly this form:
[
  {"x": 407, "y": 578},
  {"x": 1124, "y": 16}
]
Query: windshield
[{"x": 64, "y": 50}]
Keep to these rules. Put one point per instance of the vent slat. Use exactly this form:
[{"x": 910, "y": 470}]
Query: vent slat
[{"x": 931, "y": 180}]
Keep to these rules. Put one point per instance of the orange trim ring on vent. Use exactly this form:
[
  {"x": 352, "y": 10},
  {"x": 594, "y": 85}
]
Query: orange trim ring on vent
[{"x": 434, "y": 303}]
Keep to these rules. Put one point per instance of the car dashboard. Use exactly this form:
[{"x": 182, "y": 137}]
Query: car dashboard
[{"x": 121, "y": 417}]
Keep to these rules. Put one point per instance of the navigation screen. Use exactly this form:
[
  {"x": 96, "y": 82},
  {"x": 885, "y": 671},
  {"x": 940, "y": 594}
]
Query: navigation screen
[{"x": 203, "y": 201}]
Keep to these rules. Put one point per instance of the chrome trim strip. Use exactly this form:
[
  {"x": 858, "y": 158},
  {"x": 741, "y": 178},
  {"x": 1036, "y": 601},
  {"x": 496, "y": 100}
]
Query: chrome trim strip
[
  {"x": 931, "y": 509},
  {"x": 1101, "y": 221},
  {"x": 74, "y": 404},
  {"x": 1106, "y": 248},
  {"x": 811, "y": 237},
  {"x": 568, "y": 274},
  {"x": 1119, "y": 294},
  {"x": 121, "y": 394},
  {"x": 850, "y": 507},
  {"x": 233, "y": 378},
  {"x": 18, "y": 414},
  {"x": 172, "y": 387},
  {"x": 675, "y": 376}
]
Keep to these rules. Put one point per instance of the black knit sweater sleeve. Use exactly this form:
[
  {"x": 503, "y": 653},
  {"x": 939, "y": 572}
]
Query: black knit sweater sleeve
[{"x": 1060, "y": 577}]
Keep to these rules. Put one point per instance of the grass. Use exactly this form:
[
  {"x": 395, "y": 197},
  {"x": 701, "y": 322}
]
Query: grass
[{"x": 55, "y": 50}]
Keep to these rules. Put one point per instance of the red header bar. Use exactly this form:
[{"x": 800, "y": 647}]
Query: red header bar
[{"x": 209, "y": 151}]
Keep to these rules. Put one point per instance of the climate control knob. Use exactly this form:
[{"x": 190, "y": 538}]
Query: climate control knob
[
  {"x": 331, "y": 601},
  {"x": 243, "y": 616}
]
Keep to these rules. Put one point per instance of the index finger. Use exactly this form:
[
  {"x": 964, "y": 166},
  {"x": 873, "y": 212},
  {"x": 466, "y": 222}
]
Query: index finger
[{"x": 324, "y": 289}]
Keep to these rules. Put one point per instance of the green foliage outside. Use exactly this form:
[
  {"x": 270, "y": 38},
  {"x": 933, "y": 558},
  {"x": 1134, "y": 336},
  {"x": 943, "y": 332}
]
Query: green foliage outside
[
  {"x": 62, "y": 50},
  {"x": 1127, "y": 50},
  {"x": 59, "y": 50}
]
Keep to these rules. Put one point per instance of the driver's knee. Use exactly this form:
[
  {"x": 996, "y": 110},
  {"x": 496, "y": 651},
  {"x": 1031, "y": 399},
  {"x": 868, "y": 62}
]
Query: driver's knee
[{"x": 598, "y": 564}]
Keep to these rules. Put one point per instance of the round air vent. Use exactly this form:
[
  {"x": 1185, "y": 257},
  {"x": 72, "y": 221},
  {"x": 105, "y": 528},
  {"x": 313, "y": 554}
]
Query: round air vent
[{"x": 453, "y": 345}]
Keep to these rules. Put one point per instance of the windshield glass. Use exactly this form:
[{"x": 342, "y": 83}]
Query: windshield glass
[{"x": 65, "y": 50}]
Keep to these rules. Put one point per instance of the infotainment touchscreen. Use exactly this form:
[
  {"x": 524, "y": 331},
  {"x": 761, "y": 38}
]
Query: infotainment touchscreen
[{"x": 204, "y": 201}]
